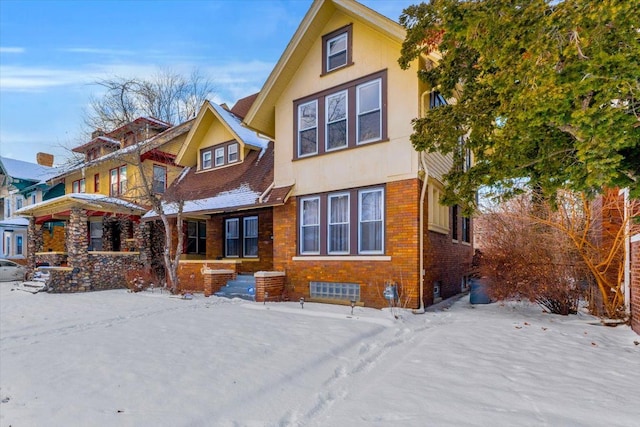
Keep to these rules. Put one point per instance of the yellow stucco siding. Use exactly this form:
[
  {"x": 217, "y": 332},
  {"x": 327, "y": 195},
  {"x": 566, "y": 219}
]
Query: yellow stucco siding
[{"x": 388, "y": 161}]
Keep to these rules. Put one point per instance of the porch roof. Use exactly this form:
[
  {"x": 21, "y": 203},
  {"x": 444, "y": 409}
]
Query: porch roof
[{"x": 95, "y": 202}]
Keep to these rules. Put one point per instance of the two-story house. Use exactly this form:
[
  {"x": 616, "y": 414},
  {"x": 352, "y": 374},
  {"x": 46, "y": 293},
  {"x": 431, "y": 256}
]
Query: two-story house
[
  {"x": 363, "y": 212},
  {"x": 105, "y": 195},
  {"x": 22, "y": 184}
]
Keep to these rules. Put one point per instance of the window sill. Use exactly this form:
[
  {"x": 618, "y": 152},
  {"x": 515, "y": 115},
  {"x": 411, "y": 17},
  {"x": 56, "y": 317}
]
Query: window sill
[
  {"x": 438, "y": 229},
  {"x": 341, "y": 258}
]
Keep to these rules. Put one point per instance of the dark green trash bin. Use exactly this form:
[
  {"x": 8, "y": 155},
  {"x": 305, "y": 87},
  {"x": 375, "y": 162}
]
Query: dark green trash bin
[{"x": 478, "y": 293}]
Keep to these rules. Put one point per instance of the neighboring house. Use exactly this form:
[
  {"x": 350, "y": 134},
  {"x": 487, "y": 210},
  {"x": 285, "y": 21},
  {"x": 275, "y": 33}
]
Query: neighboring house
[
  {"x": 22, "y": 184},
  {"x": 103, "y": 201},
  {"x": 360, "y": 213},
  {"x": 227, "y": 193}
]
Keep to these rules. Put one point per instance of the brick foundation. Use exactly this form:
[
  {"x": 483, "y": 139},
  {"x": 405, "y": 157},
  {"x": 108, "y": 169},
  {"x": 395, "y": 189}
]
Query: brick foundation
[
  {"x": 191, "y": 274},
  {"x": 635, "y": 284}
]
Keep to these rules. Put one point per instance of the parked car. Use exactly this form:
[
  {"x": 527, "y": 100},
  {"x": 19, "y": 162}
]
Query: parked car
[{"x": 10, "y": 271}]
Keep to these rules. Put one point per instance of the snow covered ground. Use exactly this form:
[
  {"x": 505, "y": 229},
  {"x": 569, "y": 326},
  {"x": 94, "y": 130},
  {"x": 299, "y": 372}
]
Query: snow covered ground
[{"x": 114, "y": 358}]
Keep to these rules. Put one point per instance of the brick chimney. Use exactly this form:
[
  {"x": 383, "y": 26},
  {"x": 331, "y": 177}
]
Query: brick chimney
[
  {"x": 96, "y": 133},
  {"x": 44, "y": 159}
]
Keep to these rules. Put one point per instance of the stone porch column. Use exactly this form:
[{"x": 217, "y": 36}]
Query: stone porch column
[
  {"x": 78, "y": 246},
  {"x": 32, "y": 245}
]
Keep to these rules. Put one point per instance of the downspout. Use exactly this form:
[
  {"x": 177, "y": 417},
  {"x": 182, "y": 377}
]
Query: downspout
[
  {"x": 263, "y": 195},
  {"x": 627, "y": 254},
  {"x": 424, "y": 172}
]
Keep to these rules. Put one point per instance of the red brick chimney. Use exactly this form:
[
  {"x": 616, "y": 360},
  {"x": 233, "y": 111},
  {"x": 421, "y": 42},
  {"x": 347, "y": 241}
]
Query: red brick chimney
[{"x": 44, "y": 159}]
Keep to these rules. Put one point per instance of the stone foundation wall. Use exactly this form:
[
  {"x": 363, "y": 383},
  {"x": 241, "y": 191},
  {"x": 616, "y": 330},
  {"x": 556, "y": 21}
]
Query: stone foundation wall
[{"x": 53, "y": 259}]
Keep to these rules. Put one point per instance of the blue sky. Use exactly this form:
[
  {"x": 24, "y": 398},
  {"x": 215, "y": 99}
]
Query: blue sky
[{"x": 51, "y": 52}]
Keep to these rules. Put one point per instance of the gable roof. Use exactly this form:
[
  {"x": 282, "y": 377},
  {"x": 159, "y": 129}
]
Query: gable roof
[
  {"x": 153, "y": 143},
  {"x": 208, "y": 113},
  {"x": 242, "y": 106},
  {"x": 261, "y": 114},
  {"x": 26, "y": 171},
  {"x": 98, "y": 202},
  {"x": 243, "y": 186},
  {"x": 97, "y": 142}
]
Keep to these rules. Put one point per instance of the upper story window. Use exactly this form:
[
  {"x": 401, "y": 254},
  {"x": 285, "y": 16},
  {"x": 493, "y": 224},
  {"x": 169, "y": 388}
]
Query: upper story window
[
  {"x": 336, "y": 120},
  {"x": 78, "y": 186},
  {"x": 205, "y": 159},
  {"x": 232, "y": 153},
  {"x": 308, "y": 128},
  {"x": 96, "y": 183},
  {"x": 337, "y": 49},
  {"x": 342, "y": 117},
  {"x": 344, "y": 223},
  {"x": 369, "y": 112},
  {"x": 19, "y": 202},
  {"x": 33, "y": 198},
  {"x": 159, "y": 179},
  {"x": 220, "y": 155},
  {"x": 118, "y": 181}
]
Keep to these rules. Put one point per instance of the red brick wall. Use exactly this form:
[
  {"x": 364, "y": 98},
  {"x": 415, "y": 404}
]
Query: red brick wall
[
  {"x": 402, "y": 230},
  {"x": 446, "y": 262},
  {"x": 635, "y": 286}
]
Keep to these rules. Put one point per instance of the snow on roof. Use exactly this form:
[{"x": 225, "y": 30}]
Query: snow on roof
[
  {"x": 241, "y": 196},
  {"x": 246, "y": 135},
  {"x": 89, "y": 197},
  {"x": 28, "y": 171},
  {"x": 14, "y": 222}
]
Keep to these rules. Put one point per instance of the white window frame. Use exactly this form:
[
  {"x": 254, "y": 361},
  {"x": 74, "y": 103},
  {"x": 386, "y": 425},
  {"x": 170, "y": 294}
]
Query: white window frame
[
  {"x": 331, "y": 224},
  {"x": 378, "y": 83},
  {"x": 327, "y": 102},
  {"x": 206, "y": 159},
  {"x": 316, "y": 225},
  {"x": 232, "y": 153},
  {"x": 300, "y": 129},
  {"x": 218, "y": 157},
  {"x": 344, "y": 35},
  {"x": 381, "y": 220}
]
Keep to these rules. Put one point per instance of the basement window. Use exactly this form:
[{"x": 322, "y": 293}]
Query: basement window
[{"x": 334, "y": 290}]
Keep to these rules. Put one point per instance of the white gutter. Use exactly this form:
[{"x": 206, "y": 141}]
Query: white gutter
[{"x": 423, "y": 192}]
